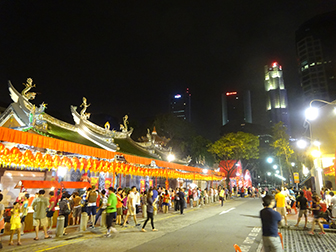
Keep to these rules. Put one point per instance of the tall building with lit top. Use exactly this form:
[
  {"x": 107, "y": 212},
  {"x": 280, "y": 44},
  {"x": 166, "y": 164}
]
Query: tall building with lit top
[
  {"x": 236, "y": 107},
  {"x": 180, "y": 105},
  {"x": 276, "y": 101}
]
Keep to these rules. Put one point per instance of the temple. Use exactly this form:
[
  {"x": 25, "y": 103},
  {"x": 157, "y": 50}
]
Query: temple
[{"x": 37, "y": 146}]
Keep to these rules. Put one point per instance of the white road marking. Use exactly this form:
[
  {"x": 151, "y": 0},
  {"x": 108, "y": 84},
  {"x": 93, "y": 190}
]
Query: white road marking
[
  {"x": 226, "y": 211},
  {"x": 245, "y": 248}
]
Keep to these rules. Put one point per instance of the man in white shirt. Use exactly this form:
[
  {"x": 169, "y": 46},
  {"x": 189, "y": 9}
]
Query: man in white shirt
[
  {"x": 137, "y": 201},
  {"x": 333, "y": 204},
  {"x": 131, "y": 200}
]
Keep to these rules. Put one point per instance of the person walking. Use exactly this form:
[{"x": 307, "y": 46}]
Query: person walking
[
  {"x": 150, "y": 211},
  {"x": 111, "y": 210},
  {"x": 181, "y": 201},
  {"x": 102, "y": 205},
  {"x": 39, "y": 205},
  {"x": 119, "y": 196},
  {"x": 221, "y": 196},
  {"x": 165, "y": 204},
  {"x": 51, "y": 209},
  {"x": 92, "y": 204},
  {"x": 24, "y": 210},
  {"x": 302, "y": 203},
  {"x": 281, "y": 204},
  {"x": 177, "y": 200},
  {"x": 131, "y": 207},
  {"x": 269, "y": 221},
  {"x": 64, "y": 207},
  {"x": 15, "y": 222},
  {"x": 316, "y": 208}
]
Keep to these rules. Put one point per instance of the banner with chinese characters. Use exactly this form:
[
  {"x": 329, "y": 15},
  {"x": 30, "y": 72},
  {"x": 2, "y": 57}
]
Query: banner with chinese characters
[
  {"x": 108, "y": 182},
  {"x": 142, "y": 185},
  {"x": 94, "y": 181},
  {"x": 150, "y": 183},
  {"x": 296, "y": 177}
]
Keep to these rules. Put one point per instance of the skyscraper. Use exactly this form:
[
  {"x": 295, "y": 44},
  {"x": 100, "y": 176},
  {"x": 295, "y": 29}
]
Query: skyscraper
[
  {"x": 316, "y": 51},
  {"x": 236, "y": 107},
  {"x": 276, "y": 102},
  {"x": 180, "y": 105}
]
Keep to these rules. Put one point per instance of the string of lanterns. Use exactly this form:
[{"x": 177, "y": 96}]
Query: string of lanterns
[{"x": 46, "y": 162}]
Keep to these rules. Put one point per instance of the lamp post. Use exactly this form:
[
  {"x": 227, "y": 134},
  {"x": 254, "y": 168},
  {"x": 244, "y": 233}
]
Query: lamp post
[
  {"x": 312, "y": 114},
  {"x": 270, "y": 160}
]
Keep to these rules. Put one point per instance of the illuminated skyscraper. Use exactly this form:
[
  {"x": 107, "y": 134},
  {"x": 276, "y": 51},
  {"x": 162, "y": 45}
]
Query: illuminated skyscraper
[
  {"x": 180, "y": 105},
  {"x": 276, "y": 103}
]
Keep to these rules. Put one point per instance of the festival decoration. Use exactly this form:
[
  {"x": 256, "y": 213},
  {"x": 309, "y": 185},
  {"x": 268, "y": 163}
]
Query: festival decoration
[{"x": 15, "y": 157}]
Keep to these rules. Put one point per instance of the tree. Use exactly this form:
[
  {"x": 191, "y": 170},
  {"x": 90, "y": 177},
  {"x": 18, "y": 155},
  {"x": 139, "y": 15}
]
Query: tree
[
  {"x": 281, "y": 146},
  {"x": 235, "y": 146},
  {"x": 199, "y": 150}
]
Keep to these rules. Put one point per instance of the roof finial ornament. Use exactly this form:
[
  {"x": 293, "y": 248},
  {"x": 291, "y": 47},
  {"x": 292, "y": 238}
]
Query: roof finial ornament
[
  {"x": 29, "y": 85},
  {"x": 85, "y": 106}
]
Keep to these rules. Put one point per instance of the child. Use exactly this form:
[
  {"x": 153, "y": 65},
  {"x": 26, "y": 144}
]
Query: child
[
  {"x": 15, "y": 222},
  {"x": 270, "y": 220},
  {"x": 316, "y": 211}
]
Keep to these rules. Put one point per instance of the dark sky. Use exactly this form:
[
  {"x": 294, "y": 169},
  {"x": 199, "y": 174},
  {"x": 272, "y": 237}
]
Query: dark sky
[{"x": 126, "y": 57}]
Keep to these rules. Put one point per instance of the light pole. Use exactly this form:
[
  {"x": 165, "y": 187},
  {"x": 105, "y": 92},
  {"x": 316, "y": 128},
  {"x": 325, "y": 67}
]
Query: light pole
[
  {"x": 270, "y": 160},
  {"x": 312, "y": 114}
]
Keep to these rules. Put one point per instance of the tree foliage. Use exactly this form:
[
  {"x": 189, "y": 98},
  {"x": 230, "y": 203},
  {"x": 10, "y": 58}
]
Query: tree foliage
[
  {"x": 235, "y": 146},
  {"x": 281, "y": 146}
]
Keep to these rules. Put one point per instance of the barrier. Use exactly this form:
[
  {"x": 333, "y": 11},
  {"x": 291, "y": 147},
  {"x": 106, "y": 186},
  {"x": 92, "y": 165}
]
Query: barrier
[
  {"x": 60, "y": 226},
  {"x": 83, "y": 221}
]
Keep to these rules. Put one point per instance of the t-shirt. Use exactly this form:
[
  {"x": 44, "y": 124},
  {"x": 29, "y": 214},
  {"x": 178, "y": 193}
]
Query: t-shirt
[
  {"x": 280, "y": 200},
  {"x": 52, "y": 199},
  {"x": 303, "y": 202},
  {"x": 131, "y": 197},
  {"x": 112, "y": 203},
  {"x": 25, "y": 208},
  {"x": 309, "y": 196},
  {"x": 40, "y": 205},
  {"x": 119, "y": 201},
  {"x": 269, "y": 221},
  {"x": 76, "y": 201},
  {"x": 318, "y": 209},
  {"x": 181, "y": 195},
  {"x": 104, "y": 202},
  {"x": 155, "y": 194},
  {"x": 149, "y": 205}
]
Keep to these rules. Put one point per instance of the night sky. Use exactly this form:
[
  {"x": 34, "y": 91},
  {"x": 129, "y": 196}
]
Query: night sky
[{"x": 126, "y": 57}]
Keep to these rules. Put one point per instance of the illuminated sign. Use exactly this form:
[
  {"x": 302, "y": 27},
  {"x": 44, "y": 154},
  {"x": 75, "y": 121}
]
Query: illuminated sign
[
  {"x": 231, "y": 93},
  {"x": 178, "y": 96},
  {"x": 274, "y": 64}
]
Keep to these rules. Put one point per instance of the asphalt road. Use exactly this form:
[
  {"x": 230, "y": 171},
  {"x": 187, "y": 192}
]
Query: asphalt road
[
  {"x": 210, "y": 228},
  {"x": 229, "y": 225}
]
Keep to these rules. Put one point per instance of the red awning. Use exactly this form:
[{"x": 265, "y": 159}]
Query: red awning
[
  {"x": 75, "y": 185},
  {"x": 28, "y": 184}
]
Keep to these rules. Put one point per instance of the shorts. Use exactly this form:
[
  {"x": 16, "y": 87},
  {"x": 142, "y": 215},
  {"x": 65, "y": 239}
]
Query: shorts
[
  {"x": 303, "y": 212},
  {"x": 119, "y": 211},
  {"x": 92, "y": 210},
  {"x": 76, "y": 212},
  {"x": 131, "y": 211},
  {"x": 109, "y": 219},
  {"x": 281, "y": 211},
  {"x": 15, "y": 225},
  {"x": 50, "y": 214},
  {"x": 23, "y": 218},
  {"x": 40, "y": 222},
  {"x": 272, "y": 244},
  {"x": 165, "y": 204}
]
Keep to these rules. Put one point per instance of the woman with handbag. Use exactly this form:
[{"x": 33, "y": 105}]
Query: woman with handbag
[
  {"x": 150, "y": 211},
  {"x": 64, "y": 207}
]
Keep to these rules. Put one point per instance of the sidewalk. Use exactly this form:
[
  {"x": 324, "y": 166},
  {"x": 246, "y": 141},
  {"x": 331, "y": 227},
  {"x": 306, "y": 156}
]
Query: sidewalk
[
  {"x": 74, "y": 235},
  {"x": 297, "y": 239}
]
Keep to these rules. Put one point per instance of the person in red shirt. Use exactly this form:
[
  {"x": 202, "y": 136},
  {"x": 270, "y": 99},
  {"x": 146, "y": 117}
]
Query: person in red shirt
[
  {"x": 119, "y": 205},
  {"x": 165, "y": 204},
  {"x": 309, "y": 197},
  {"x": 51, "y": 209}
]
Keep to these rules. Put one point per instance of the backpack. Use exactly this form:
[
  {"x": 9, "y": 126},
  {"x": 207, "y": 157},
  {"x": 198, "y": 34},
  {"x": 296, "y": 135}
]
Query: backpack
[
  {"x": 66, "y": 209},
  {"x": 92, "y": 197}
]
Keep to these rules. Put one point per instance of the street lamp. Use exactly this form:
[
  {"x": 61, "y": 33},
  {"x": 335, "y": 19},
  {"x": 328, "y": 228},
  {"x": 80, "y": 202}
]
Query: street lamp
[
  {"x": 311, "y": 114},
  {"x": 275, "y": 167},
  {"x": 270, "y": 160},
  {"x": 277, "y": 171},
  {"x": 170, "y": 157},
  {"x": 302, "y": 144},
  {"x": 269, "y": 174}
]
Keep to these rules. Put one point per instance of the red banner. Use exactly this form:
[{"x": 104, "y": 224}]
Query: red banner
[{"x": 108, "y": 183}]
